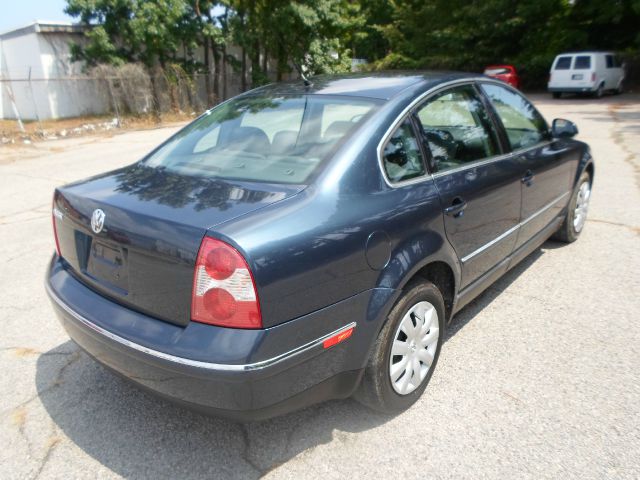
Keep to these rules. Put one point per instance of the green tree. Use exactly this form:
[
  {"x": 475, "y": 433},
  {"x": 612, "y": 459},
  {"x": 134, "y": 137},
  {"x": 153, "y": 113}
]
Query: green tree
[
  {"x": 121, "y": 31},
  {"x": 147, "y": 31},
  {"x": 462, "y": 35},
  {"x": 311, "y": 36},
  {"x": 369, "y": 41}
]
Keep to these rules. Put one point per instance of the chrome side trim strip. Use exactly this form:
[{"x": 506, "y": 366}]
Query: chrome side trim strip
[
  {"x": 474, "y": 164},
  {"x": 401, "y": 117},
  {"x": 186, "y": 361},
  {"x": 487, "y": 161},
  {"x": 513, "y": 229},
  {"x": 490, "y": 244},
  {"x": 543, "y": 209},
  {"x": 423, "y": 96}
]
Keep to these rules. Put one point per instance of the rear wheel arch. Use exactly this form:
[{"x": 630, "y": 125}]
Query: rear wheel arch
[
  {"x": 441, "y": 275},
  {"x": 437, "y": 270}
]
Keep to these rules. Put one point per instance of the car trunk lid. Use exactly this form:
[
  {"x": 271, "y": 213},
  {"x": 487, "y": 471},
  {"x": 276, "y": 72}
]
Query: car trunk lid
[{"x": 144, "y": 254}]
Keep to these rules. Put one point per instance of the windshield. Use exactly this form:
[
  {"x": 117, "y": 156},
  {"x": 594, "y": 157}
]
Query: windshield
[{"x": 263, "y": 138}]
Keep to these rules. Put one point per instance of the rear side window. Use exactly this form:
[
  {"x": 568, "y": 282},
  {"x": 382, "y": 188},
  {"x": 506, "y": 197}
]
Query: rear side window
[
  {"x": 525, "y": 127},
  {"x": 583, "y": 62},
  {"x": 563, "y": 63},
  {"x": 457, "y": 128},
  {"x": 402, "y": 157},
  {"x": 612, "y": 61},
  {"x": 275, "y": 139}
]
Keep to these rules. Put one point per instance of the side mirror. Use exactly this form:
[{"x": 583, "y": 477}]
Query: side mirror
[{"x": 562, "y": 128}]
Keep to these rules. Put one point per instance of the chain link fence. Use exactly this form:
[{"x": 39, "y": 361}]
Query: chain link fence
[{"x": 127, "y": 90}]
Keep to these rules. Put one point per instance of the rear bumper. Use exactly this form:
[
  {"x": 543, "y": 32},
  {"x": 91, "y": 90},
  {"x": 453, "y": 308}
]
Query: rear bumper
[
  {"x": 242, "y": 374},
  {"x": 582, "y": 89}
]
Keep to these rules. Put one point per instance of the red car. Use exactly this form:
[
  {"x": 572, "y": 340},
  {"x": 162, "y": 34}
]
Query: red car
[{"x": 506, "y": 73}]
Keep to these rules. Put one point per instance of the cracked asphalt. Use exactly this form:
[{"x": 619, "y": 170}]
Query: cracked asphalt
[{"x": 538, "y": 377}]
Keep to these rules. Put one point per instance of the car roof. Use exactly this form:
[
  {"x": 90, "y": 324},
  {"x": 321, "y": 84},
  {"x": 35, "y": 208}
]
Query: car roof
[
  {"x": 592, "y": 52},
  {"x": 501, "y": 65},
  {"x": 381, "y": 85}
]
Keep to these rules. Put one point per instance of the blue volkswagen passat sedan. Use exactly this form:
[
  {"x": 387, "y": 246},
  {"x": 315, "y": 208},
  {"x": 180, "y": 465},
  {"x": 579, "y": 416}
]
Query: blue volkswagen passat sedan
[{"x": 306, "y": 242}]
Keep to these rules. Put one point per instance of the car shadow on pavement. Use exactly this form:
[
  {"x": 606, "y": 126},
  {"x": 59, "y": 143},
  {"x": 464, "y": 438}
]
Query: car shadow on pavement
[
  {"x": 137, "y": 435},
  {"x": 468, "y": 313}
]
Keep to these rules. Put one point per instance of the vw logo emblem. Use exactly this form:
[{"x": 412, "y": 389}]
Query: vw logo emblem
[{"x": 97, "y": 220}]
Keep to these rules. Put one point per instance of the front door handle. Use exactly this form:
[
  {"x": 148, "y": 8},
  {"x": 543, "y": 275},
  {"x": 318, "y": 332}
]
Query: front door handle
[
  {"x": 528, "y": 178},
  {"x": 457, "y": 208}
]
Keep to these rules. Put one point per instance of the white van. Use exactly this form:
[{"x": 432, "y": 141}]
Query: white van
[{"x": 585, "y": 72}]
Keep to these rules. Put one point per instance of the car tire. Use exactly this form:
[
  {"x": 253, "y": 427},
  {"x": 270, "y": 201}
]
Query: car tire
[
  {"x": 576, "y": 217},
  {"x": 556, "y": 95},
  {"x": 377, "y": 389},
  {"x": 600, "y": 91}
]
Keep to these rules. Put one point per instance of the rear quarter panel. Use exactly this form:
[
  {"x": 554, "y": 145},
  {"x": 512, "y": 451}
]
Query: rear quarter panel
[{"x": 310, "y": 251}]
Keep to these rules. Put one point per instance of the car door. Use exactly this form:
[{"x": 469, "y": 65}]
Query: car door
[
  {"x": 561, "y": 73},
  {"x": 479, "y": 187},
  {"x": 546, "y": 166}
]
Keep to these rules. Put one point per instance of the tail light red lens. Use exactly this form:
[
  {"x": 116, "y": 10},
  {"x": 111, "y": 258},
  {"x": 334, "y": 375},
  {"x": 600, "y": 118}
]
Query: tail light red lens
[
  {"x": 593, "y": 77},
  {"x": 224, "y": 292},
  {"x": 220, "y": 263}
]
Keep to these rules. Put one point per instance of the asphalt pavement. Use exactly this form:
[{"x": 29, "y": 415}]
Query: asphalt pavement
[{"x": 539, "y": 377}]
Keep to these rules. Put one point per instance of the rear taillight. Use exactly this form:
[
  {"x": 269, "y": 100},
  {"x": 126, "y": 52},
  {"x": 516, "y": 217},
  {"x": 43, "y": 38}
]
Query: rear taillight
[
  {"x": 593, "y": 77},
  {"x": 224, "y": 292},
  {"x": 56, "y": 214}
]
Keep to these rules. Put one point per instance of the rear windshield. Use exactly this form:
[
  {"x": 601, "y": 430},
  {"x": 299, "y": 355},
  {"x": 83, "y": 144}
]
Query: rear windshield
[
  {"x": 583, "y": 62},
  {"x": 263, "y": 138},
  {"x": 563, "y": 63}
]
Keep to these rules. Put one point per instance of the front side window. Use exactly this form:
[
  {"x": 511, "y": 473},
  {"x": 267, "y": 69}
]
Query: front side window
[
  {"x": 402, "y": 157},
  {"x": 525, "y": 127},
  {"x": 263, "y": 138},
  {"x": 583, "y": 62},
  {"x": 563, "y": 63},
  {"x": 457, "y": 128}
]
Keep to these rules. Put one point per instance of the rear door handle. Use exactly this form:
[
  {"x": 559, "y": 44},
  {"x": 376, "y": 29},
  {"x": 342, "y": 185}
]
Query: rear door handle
[
  {"x": 457, "y": 208},
  {"x": 528, "y": 178}
]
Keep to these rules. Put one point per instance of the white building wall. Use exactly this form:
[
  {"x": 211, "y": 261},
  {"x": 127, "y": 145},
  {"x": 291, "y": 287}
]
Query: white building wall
[
  {"x": 56, "y": 89},
  {"x": 18, "y": 54},
  {"x": 65, "y": 93}
]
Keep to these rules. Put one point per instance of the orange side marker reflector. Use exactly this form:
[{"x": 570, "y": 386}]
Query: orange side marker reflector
[{"x": 337, "y": 338}]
